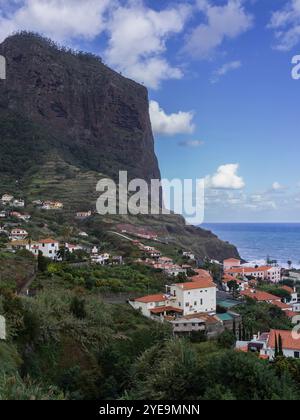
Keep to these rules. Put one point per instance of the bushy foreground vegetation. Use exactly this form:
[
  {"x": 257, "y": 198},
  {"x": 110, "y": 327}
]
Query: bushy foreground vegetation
[{"x": 68, "y": 344}]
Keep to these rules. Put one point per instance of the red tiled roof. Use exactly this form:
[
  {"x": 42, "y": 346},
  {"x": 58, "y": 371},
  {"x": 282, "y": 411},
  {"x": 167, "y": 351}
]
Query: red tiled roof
[
  {"x": 199, "y": 284},
  {"x": 162, "y": 309},
  {"x": 241, "y": 270},
  {"x": 231, "y": 260},
  {"x": 281, "y": 305},
  {"x": 48, "y": 241},
  {"x": 202, "y": 275},
  {"x": 151, "y": 298},
  {"x": 287, "y": 289},
  {"x": 260, "y": 296},
  {"x": 290, "y": 314},
  {"x": 288, "y": 341}
]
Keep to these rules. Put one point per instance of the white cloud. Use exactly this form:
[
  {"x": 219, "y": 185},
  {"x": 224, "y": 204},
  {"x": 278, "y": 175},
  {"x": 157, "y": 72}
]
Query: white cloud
[
  {"x": 191, "y": 143},
  {"x": 172, "y": 124},
  {"x": 286, "y": 23},
  {"x": 136, "y": 35},
  {"x": 226, "y": 177},
  {"x": 222, "y": 22},
  {"x": 62, "y": 20},
  {"x": 137, "y": 42},
  {"x": 223, "y": 70},
  {"x": 276, "y": 186}
]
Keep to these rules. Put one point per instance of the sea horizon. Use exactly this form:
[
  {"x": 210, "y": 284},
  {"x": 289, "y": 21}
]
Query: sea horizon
[{"x": 256, "y": 241}]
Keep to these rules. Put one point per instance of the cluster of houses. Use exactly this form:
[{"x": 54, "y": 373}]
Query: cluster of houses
[
  {"x": 155, "y": 259},
  {"x": 138, "y": 232},
  {"x": 271, "y": 344},
  {"x": 189, "y": 307},
  {"x": 10, "y": 201},
  {"x": 245, "y": 275},
  {"x": 105, "y": 259},
  {"x": 48, "y": 205}
]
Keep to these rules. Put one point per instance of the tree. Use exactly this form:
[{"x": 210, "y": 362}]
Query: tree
[
  {"x": 280, "y": 346},
  {"x": 276, "y": 346},
  {"x": 226, "y": 340},
  {"x": 233, "y": 287},
  {"x": 289, "y": 263},
  {"x": 42, "y": 262},
  {"x": 77, "y": 308}
]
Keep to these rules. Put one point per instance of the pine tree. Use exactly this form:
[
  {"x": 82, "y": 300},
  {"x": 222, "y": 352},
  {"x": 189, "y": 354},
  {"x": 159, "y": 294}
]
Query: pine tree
[
  {"x": 234, "y": 328},
  {"x": 276, "y": 346},
  {"x": 280, "y": 346}
]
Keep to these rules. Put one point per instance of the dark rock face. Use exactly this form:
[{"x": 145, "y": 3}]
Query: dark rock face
[
  {"x": 67, "y": 120},
  {"x": 96, "y": 118}
]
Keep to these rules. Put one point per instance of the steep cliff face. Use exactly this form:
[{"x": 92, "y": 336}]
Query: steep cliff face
[
  {"x": 94, "y": 117},
  {"x": 67, "y": 120}
]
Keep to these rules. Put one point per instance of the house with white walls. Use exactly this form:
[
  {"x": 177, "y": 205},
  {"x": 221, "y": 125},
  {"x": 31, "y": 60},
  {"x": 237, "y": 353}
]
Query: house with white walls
[
  {"x": 48, "y": 247},
  {"x": 18, "y": 234},
  {"x": 290, "y": 344},
  {"x": 180, "y": 299},
  {"x": 2, "y": 328},
  {"x": 231, "y": 262},
  {"x": 268, "y": 273},
  {"x": 7, "y": 199}
]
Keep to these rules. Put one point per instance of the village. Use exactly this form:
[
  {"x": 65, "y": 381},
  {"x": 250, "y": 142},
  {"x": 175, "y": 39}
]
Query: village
[{"x": 194, "y": 301}]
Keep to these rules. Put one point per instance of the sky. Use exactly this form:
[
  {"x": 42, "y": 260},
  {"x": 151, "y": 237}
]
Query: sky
[{"x": 223, "y": 103}]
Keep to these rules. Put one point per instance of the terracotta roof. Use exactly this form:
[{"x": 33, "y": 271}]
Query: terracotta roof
[
  {"x": 282, "y": 306},
  {"x": 199, "y": 284},
  {"x": 151, "y": 298},
  {"x": 162, "y": 309},
  {"x": 287, "y": 289},
  {"x": 232, "y": 260},
  {"x": 242, "y": 270},
  {"x": 288, "y": 341},
  {"x": 290, "y": 314},
  {"x": 260, "y": 296},
  {"x": 202, "y": 275},
  {"x": 47, "y": 241}
]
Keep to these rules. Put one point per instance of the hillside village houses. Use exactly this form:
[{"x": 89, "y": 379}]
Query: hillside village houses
[
  {"x": 52, "y": 205},
  {"x": 266, "y": 344},
  {"x": 10, "y": 200},
  {"x": 234, "y": 268},
  {"x": 181, "y": 299},
  {"x": 18, "y": 234}
]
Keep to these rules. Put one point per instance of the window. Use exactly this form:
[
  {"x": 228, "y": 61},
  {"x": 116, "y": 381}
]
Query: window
[
  {"x": 195, "y": 303},
  {"x": 297, "y": 355},
  {"x": 187, "y": 304}
]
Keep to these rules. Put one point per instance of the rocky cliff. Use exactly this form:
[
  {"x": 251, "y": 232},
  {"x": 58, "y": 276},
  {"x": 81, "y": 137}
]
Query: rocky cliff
[
  {"x": 66, "y": 120},
  {"x": 93, "y": 117}
]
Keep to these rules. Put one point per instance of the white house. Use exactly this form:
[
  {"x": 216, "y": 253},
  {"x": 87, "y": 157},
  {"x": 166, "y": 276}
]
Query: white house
[
  {"x": 18, "y": 203},
  {"x": 72, "y": 248},
  {"x": 7, "y": 198},
  {"x": 147, "y": 304},
  {"x": 267, "y": 273},
  {"x": 2, "y": 328},
  {"x": 101, "y": 259},
  {"x": 189, "y": 255},
  {"x": 290, "y": 344},
  {"x": 231, "y": 262},
  {"x": 181, "y": 299},
  {"x": 194, "y": 297},
  {"x": 48, "y": 247},
  {"x": 18, "y": 234}
]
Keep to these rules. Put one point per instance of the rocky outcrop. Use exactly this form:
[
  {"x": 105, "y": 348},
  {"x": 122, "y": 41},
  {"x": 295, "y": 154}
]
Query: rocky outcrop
[{"x": 95, "y": 118}]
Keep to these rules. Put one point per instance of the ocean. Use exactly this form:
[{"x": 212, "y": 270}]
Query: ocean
[{"x": 256, "y": 241}]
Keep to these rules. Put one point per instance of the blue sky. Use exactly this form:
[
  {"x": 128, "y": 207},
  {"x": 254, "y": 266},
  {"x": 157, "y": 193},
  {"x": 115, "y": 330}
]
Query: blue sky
[{"x": 223, "y": 103}]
